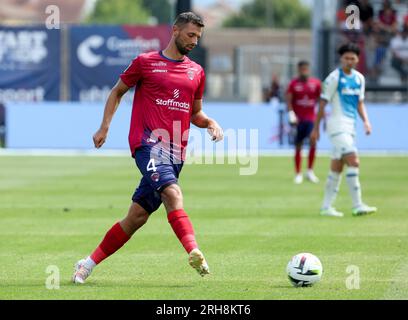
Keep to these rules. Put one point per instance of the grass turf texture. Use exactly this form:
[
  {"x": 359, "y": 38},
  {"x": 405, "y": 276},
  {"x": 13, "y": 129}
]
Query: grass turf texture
[{"x": 55, "y": 210}]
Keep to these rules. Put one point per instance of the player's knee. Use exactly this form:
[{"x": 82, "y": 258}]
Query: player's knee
[
  {"x": 336, "y": 166},
  {"x": 142, "y": 218},
  {"x": 172, "y": 194},
  {"x": 136, "y": 217},
  {"x": 355, "y": 162}
]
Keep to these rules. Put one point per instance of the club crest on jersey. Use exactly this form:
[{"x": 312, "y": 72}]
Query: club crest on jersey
[
  {"x": 155, "y": 176},
  {"x": 190, "y": 74}
]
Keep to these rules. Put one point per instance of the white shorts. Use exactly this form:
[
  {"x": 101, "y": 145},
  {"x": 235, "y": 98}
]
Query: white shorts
[{"x": 343, "y": 143}]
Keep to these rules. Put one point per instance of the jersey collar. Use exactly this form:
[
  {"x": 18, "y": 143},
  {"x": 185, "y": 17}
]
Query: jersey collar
[{"x": 169, "y": 59}]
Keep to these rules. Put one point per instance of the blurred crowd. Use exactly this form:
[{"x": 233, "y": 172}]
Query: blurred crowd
[{"x": 382, "y": 36}]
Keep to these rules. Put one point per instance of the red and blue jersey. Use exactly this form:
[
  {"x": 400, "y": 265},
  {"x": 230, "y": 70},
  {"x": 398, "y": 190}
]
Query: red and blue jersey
[
  {"x": 163, "y": 100},
  {"x": 305, "y": 95}
]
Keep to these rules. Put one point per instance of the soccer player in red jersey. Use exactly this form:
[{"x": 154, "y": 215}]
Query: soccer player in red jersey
[
  {"x": 302, "y": 96},
  {"x": 168, "y": 96}
]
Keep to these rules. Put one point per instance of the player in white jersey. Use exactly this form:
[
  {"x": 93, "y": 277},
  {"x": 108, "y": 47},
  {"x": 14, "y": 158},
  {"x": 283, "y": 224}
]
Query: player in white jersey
[{"x": 344, "y": 89}]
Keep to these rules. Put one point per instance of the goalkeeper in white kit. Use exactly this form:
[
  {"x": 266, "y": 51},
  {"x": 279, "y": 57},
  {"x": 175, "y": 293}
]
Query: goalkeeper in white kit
[{"x": 344, "y": 89}]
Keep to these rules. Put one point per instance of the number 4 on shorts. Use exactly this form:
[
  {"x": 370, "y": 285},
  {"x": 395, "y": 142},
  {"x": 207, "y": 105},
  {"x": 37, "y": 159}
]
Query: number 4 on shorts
[{"x": 150, "y": 166}]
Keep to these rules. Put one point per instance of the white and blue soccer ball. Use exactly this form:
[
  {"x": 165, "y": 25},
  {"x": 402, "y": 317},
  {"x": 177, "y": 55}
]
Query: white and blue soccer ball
[{"x": 304, "y": 269}]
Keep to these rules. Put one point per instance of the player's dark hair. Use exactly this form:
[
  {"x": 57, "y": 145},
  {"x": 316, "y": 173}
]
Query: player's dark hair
[
  {"x": 349, "y": 47},
  {"x": 187, "y": 17},
  {"x": 302, "y": 63}
]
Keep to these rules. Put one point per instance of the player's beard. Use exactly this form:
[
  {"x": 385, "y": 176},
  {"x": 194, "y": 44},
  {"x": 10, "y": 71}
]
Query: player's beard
[{"x": 183, "y": 50}]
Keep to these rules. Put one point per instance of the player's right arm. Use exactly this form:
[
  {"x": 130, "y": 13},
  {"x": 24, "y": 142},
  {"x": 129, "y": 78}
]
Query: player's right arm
[
  {"x": 111, "y": 106},
  {"x": 289, "y": 103},
  {"x": 128, "y": 79}
]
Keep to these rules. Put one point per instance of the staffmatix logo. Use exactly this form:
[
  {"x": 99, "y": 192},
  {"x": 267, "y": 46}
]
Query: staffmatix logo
[{"x": 173, "y": 104}]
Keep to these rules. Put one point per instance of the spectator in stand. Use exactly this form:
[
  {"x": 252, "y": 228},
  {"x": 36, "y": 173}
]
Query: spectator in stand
[
  {"x": 341, "y": 13},
  {"x": 405, "y": 25},
  {"x": 376, "y": 43},
  {"x": 347, "y": 34},
  {"x": 366, "y": 13},
  {"x": 274, "y": 92},
  {"x": 341, "y": 16},
  {"x": 399, "y": 49},
  {"x": 388, "y": 17}
]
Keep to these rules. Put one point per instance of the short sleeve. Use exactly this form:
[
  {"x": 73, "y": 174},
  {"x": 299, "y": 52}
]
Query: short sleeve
[
  {"x": 133, "y": 73},
  {"x": 200, "y": 90},
  {"x": 329, "y": 87}
]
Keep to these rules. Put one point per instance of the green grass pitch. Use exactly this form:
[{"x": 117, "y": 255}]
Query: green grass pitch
[{"x": 55, "y": 210}]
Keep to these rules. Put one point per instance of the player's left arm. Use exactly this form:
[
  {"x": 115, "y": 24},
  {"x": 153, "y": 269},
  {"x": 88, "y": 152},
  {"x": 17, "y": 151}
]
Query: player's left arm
[
  {"x": 201, "y": 120},
  {"x": 362, "y": 111},
  {"x": 361, "y": 108}
]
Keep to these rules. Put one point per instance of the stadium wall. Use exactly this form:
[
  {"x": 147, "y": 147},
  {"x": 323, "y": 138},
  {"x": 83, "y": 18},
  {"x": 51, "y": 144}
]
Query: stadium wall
[{"x": 71, "y": 126}]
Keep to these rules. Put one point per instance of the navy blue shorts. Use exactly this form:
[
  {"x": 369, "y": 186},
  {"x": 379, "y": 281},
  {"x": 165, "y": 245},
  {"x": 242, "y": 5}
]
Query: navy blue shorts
[
  {"x": 304, "y": 129},
  {"x": 158, "y": 171}
]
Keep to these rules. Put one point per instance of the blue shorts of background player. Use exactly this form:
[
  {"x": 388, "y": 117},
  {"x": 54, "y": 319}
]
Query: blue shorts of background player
[
  {"x": 158, "y": 171},
  {"x": 304, "y": 129}
]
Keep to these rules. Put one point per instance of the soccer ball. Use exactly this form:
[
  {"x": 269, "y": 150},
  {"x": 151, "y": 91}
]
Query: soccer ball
[{"x": 304, "y": 269}]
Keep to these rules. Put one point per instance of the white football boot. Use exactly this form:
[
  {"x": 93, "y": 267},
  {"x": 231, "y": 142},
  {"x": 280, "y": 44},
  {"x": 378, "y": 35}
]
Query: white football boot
[
  {"x": 198, "y": 262},
  {"x": 331, "y": 212},
  {"x": 298, "y": 178},
  {"x": 80, "y": 272},
  {"x": 310, "y": 175},
  {"x": 363, "y": 209}
]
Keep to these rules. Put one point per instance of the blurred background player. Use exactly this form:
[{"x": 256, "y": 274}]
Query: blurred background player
[
  {"x": 155, "y": 126},
  {"x": 302, "y": 95},
  {"x": 344, "y": 89}
]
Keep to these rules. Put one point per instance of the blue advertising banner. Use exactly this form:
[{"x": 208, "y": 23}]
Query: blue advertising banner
[
  {"x": 99, "y": 54},
  {"x": 29, "y": 64},
  {"x": 43, "y": 120}
]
